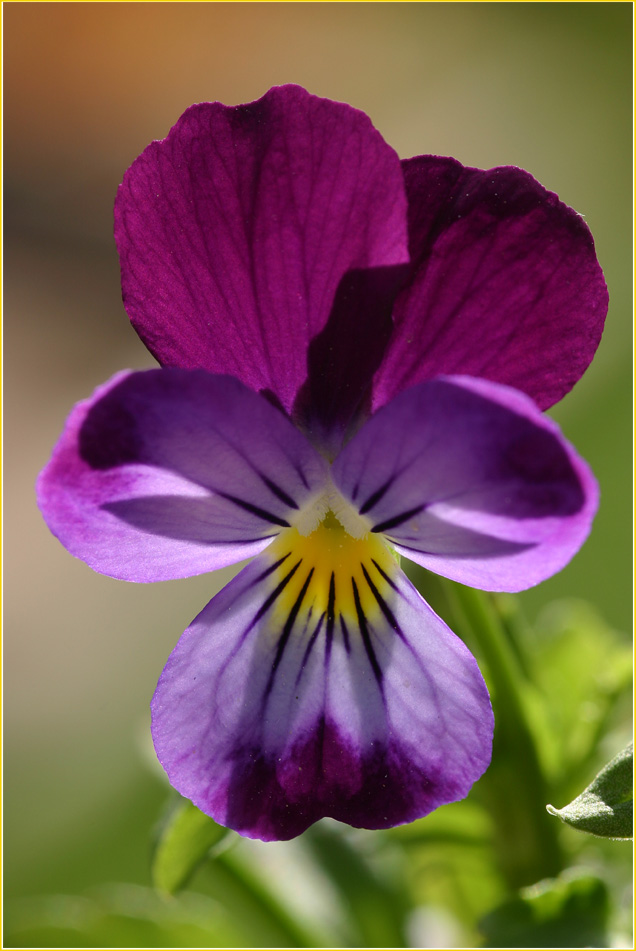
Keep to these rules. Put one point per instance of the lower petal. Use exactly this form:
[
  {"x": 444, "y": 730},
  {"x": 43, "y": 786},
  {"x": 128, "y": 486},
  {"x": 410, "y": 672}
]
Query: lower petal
[{"x": 304, "y": 691}]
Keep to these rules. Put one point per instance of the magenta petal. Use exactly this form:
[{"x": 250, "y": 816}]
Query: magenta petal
[
  {"x": 169, "y": 473},
  {"x": 505, "y": 284},
  {"x": 268, "y": 721},
  {"x": 470, "y": 480},
  {"x": 235, "y": 231}
]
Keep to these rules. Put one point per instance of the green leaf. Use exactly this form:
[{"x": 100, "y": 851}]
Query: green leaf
[
  {"x": 183, "y": 843},
  {"x": 606, "y": 807},
  {"x": 567, "y": 912}
]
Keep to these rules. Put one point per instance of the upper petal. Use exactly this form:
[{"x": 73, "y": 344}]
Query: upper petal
[
  {"x": 469, "y": 479},
  {"x": 235, "y": 231},
  {"x": 311, "y": 688},
  {"x": 505, "y": 284},
  {"x": 168, "y": 473}
]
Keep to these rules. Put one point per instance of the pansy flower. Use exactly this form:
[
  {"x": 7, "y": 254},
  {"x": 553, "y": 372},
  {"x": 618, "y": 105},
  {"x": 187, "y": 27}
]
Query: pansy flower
[{"x": 355, "y": 354}]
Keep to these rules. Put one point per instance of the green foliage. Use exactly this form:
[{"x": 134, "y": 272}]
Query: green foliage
[
  {"x": 115, "y": 916},
  {"x": 582, "y": 670},
  {"x": 182, "y": 844},
  {"x": 568, "y": 912},
  {"x": 448, "y": 858},
  {"x": 252, "y": 892},
  {"x": 186, "y": 838},
  {"x": 606, "y": 807},
  {"x": 377, "y": 904}
]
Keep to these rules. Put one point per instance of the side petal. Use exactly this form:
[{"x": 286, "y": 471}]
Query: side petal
[
  {"x": 299, "y": 693},
  {"x": 235, "y": 231},
  {"x": 169, "y": 473},
  {"x": 470, "y": 480},
  {"x": 505, "y": 285}
]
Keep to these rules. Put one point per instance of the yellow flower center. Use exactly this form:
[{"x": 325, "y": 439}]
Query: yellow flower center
[{"x": 329, "y": 573}]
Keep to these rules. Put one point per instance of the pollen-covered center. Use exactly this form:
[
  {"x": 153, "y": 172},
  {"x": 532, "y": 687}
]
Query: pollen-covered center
[{"x": 327, "y": 578}]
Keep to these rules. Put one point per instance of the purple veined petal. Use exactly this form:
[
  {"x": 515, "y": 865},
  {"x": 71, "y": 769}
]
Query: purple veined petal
[
  {"x": 319, "y": 683},
  {"x": 236, "y": 231},
  {"x": 169, "y": 473},
  {"x": 470, "y": 480},
  {"x": 505, "y": 285}
]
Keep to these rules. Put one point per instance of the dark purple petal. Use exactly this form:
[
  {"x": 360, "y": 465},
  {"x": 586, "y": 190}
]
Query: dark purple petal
[
  {"x": 470, "y": 480},
  {"x": 294, "y": 696},
  {"x": 344, "y": 356},
  {"x": 236, "y": 231},
  {"x": 170, "y": 473},
  {"x": 505, "y": 286}
]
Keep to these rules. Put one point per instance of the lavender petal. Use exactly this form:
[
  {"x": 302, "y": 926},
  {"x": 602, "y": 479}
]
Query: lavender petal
[{"x": 169, "y": 473}]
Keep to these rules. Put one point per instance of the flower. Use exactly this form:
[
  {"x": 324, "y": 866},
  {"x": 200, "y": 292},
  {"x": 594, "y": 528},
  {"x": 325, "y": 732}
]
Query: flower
[{"x": 355, "y": 352}]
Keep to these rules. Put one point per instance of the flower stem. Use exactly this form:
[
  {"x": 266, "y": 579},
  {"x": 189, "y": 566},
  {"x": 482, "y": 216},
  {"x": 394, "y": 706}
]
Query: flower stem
[{"x": 514, "y": 787}]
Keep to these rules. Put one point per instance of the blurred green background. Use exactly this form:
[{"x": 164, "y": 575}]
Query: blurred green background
[{"x": 547, "y": 86}]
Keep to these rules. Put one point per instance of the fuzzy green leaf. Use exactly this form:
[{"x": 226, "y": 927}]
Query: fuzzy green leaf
[
  {"x": 606, "y": 807},
  {"x": 183, "y": 843}
]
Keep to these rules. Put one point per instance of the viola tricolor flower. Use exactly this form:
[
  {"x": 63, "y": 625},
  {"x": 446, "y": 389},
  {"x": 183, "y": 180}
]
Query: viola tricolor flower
[{"x": 355, "y": 353}]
